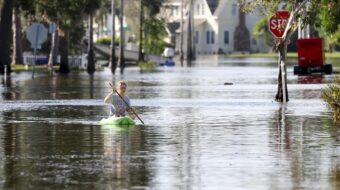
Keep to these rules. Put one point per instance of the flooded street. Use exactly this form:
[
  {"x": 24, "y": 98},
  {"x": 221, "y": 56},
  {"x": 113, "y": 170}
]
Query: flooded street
[{"x": 199, "y": 133}]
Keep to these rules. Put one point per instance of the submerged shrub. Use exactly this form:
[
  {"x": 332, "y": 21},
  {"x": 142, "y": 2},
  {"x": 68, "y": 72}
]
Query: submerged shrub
[{"x": 331, "y": 95}]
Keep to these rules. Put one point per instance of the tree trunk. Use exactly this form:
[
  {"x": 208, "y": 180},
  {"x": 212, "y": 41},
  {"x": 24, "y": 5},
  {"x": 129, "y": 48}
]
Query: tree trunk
[
  {"x": 140, "y": 52},
  {"x": 63, "y": 49},
  {"x": 90, "y": 57},
  {"x": 17, "y": 39},
  {"x": 113, "y": 64},
  {"x": 282, "y": 81},
  {"x": 182, "y": 32},
  {"x": 190, "y": 46},
  {"x": 54, "y": 49},
  {"x": 5, "y": 36},
  {"x": 122, "y": 37}
]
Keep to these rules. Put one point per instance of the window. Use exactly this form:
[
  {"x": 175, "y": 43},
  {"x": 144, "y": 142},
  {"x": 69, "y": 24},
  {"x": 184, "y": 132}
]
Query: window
[
  {"x": 208, "y": 37},
  {"x": 226, "y": 37},
  {"x": 198, "y": 10},
  {"x": 197, "y": 37},
  {"x": 212, "y": 37},
  {"x": 234, "y": 9}
]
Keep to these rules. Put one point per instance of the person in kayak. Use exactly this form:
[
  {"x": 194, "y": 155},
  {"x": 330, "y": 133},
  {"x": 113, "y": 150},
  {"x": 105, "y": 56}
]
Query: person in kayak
[{"x": 118, "y": 107}]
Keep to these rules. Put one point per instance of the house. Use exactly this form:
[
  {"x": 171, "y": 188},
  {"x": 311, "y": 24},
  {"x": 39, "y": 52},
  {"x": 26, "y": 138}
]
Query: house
[{"x": 219, "y": 25}]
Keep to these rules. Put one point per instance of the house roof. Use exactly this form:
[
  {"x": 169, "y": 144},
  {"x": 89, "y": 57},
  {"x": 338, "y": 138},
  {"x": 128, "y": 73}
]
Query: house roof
[{"x": 212, "y": 5}]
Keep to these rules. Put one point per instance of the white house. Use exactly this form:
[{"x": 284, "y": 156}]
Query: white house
[{"x": 219, "y": 26}]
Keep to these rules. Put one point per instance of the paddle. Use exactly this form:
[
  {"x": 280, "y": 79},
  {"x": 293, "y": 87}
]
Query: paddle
[{"x": 127, "y": 104}]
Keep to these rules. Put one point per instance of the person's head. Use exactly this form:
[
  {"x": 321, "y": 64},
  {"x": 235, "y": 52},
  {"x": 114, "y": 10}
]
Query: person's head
[{"x": 121, "y": 87}]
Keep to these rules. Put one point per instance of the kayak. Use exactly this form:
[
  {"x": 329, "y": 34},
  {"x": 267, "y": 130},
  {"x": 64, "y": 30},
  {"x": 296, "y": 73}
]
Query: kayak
[{"x": 120, "y": 121}]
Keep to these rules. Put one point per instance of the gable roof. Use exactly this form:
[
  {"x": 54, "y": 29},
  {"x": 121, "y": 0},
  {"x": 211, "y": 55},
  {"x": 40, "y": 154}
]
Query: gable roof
[{"x": 212, "y": 5}]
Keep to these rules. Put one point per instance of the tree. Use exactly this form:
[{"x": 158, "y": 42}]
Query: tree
[
  {"x": 181, "y": 52},
  {"x": 113, "y": 64},
  {"x": 261, "y": 30},
  {"x": 17, "y": 37},
  {"x": 5, "y": 36},
  {"x": 69, "y": 16},
  {"x": 122, "y": 37},
  {"x": 190, "y": 41},
  {"x": 324, "y": 14},
  {"x": 90, "y": 7},
  {"x": 147, "y": 18}
]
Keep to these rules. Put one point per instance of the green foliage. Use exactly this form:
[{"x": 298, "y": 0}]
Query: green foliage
[
  {"x": 330, "y": 15},
  {"x": 149, "y": 66},
  {"x": 261, "y": 30},
  {"x": 332, "y": 96},
  {"x": 155, "y": 34},
  {"x": 107, "y": 40},
  {"x": 324, "y": 15}
]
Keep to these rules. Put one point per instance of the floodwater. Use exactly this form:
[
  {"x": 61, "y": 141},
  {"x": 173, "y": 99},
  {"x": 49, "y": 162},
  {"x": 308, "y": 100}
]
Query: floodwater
[{"x": 198, "y": 132}]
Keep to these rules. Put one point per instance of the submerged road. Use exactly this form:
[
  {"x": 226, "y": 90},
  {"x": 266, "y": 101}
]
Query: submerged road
[{"x": 199, "y": 133}]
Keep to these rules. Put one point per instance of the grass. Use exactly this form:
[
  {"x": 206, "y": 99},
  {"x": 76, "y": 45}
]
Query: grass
[
  {"x": 331, "y": 95},
  {"x": 19, "y": 67}
]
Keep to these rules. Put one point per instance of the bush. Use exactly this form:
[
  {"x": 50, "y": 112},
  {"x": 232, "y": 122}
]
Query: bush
[
  {"x": 107, "y": 40},
  {"x": 147, "y": 66},
  {"x": 331, "y": 95}
]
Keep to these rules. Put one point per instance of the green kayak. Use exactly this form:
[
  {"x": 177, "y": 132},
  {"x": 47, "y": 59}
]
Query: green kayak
[{"x": 121, "y": 121}]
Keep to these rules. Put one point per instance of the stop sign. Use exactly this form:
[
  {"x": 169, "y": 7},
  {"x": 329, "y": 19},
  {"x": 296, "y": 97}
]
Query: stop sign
[{"x": 278, "y": 22}]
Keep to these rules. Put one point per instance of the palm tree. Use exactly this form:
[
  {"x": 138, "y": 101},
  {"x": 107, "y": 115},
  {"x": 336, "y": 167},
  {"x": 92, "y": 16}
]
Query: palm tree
[
  {"x": 122, "y": 37},
  {"x": 113, "y": 64},
  {"x": 17, "y": 42},
  {"x": 90, "y": 56}
]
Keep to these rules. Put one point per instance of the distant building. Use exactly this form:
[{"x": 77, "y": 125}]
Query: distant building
[{"x": 220, "y": 26}]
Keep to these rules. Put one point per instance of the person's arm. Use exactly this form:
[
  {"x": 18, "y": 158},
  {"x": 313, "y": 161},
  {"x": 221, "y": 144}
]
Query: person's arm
[{"x": 108, "y": 98}]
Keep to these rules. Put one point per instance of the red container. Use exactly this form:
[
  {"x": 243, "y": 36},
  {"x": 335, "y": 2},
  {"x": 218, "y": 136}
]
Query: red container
[{"x": 310, "y": 52}]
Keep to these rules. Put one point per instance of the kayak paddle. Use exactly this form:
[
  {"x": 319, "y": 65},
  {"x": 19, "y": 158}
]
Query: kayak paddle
[{"x": 127, "y": 104}]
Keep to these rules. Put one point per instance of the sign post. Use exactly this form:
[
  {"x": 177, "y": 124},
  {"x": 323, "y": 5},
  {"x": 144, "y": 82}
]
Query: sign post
[
  {"x": 36, "y": 35},
  {"x": 277, "y": 25}
]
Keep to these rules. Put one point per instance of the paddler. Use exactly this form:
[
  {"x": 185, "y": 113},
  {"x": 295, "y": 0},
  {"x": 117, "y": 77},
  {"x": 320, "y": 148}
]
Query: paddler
[{"x": 118, "y": 107}]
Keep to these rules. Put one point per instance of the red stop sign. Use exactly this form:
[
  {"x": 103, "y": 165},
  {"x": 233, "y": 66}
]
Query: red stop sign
[{"x": 278, "y": 22}]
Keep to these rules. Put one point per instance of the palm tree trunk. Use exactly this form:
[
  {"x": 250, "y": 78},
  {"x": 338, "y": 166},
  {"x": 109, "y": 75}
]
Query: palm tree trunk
[
  {"x": 54, "y": 49},
  {"x": 5, "y": 36},
  {"x": 182, "y": 33},
  {"x": 17, "y": 41},
  {"x": 140, "y": 52},
  {"x": 90, "y": 57},
  {"x": 122, "y": 37},
  {"x": 63, "y": 49},
  {"x": 113, "y": 64},
  {"x": 190, "y": 55}
]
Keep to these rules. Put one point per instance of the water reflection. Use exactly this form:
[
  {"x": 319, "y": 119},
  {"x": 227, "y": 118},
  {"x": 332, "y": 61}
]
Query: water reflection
[{"x": 199, "y": 133}]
